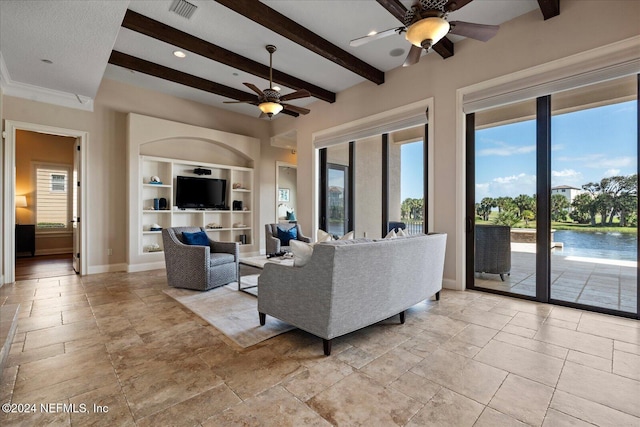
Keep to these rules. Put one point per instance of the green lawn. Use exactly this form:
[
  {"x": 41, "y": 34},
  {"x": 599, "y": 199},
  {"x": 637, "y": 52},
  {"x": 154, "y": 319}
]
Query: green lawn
[{"x": 569, "y": 226}]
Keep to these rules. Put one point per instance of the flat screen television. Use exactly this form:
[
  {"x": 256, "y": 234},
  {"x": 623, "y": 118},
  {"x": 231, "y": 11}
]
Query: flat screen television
[{"x": 200, "y": 193}]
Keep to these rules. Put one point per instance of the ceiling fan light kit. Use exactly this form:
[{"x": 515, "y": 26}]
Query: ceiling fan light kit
[
  {"x": 425, "y": 24},
  {"x": 427, "y": 32},
  {"x": 270, "y": 108},
  {"x": 269, "y": 100}
]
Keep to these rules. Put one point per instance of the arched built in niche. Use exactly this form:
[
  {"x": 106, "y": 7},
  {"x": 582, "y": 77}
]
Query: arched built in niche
[
  {"x": 172, "y": 143},
  {"x": 196, "y": 149}
]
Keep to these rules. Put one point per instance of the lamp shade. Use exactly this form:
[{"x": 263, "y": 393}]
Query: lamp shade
[
  {"x": 427, "y": 32},
  {"x": 270, "y": 108},
  {"x": 21, "y": 201}
]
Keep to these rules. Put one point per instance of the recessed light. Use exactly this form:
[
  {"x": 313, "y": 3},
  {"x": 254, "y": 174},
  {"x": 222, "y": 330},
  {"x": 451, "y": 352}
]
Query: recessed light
[
  {"x": 396, "y": 52},
  {"x": 236, "y": 74},
  {"x": 47, "y": 61},
  {"x": 179, "y": 54}
]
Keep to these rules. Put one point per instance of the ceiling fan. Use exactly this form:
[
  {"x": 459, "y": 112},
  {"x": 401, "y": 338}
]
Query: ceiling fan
[
  {"x": 425, "y": 24},
  {"x": 269, "y": 100}
]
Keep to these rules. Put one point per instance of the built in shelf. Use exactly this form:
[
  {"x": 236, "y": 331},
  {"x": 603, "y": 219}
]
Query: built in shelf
[
  {"x": 167, "y": 170},
  {"x": 157, "y": 185},
  {"x": 197, "y": 211}
]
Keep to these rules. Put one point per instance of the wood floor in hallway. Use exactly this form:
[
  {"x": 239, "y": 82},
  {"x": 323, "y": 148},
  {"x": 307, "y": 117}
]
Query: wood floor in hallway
[{"x": 44, "y": 266}]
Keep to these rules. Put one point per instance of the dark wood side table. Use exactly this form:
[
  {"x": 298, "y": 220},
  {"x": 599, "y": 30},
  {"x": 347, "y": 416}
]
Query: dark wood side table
[{"x": 26, "y": 238}]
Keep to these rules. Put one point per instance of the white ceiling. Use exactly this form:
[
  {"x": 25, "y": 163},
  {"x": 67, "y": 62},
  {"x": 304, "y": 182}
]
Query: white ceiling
[{"x": 78, "y": 37}]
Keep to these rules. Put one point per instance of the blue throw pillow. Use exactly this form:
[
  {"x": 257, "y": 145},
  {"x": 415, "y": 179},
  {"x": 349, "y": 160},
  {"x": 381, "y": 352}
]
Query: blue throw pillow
[
  {"x": 198, "y": 238},
  {"x": 286, "y": 235},
  {"x": 291, "y": 216}
]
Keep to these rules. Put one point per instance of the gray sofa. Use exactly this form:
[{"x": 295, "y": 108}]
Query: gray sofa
[{"x": 350, "y": 284}]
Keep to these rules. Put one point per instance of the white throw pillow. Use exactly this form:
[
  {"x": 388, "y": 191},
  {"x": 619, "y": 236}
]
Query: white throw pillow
[
  {"x": 301, "y": 252},
  {"x": 348, "y": 236},
  {"x": 391, "y": 235},
  {"x": 323, "y": 236},
  {"x": 402, "y": 233}
]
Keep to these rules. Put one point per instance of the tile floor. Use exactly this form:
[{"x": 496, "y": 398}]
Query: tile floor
[
  {"x": 597, "y": 282},
  {"x": 472, "y": 359}
]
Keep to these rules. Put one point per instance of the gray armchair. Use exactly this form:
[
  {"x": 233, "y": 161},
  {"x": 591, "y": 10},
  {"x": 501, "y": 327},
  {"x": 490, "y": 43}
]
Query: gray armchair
[
  {"x": 493, "y": 249},
  {"x": 273, "y": 244},
  {"x": 199, "y": 267}
]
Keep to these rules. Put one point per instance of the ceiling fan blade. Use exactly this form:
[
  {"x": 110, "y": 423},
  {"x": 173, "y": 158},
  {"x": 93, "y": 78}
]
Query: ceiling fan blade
[
  {"x": 455, "y": 5},
  {"x": 296, "y": 109},
  {"x": 238, "y": 102},
  {"x": 371, "y": 37},
  {"x": 413, "y": 57},
  {"x": 474, "y": 31},
  {"x": 295, "y": 95},
  {"x": 254, "y": 88}
]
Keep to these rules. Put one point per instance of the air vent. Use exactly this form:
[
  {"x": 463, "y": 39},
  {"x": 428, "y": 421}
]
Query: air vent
[{"x": 183, "y": 8}]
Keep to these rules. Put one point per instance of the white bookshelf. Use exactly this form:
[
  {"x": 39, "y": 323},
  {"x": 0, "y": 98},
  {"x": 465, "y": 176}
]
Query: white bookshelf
[{"x": 222, "y": 225}]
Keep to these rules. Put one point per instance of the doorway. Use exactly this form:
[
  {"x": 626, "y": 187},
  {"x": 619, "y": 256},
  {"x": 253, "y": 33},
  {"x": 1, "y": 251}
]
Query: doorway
[
  {"x": 286, "y": 192},
  {"x": 73, "y": 184}
]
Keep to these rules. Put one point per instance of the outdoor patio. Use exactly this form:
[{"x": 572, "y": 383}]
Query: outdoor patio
[{"x": 597, "y": 282}]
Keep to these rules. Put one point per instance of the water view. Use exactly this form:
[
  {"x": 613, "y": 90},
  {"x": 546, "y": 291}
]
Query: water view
[{"x": 614, "y": 246}]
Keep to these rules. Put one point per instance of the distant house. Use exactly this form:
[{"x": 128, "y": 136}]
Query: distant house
[{"x": 567, "y": 191}]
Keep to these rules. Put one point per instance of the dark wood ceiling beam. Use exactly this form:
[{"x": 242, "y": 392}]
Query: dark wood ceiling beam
[
  {"x": 395, "y": 8},
  {"x": 444, "y": 47},
  {"x": 140, "y": 65},
  {"x": 157, "y": 30},
  {"x": 286, "y": 27},
  {"x": 549, "y": 8}
]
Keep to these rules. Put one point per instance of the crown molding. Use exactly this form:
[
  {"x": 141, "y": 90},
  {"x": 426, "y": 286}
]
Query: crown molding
[{"x": 41, "y": 94}]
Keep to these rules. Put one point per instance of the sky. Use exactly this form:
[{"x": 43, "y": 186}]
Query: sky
[{"x": 586, "y": 146}]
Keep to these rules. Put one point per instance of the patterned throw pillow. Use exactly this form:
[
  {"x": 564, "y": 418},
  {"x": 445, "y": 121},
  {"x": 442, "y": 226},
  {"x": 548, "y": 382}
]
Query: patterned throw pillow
[{"x": 199, "y": 238}]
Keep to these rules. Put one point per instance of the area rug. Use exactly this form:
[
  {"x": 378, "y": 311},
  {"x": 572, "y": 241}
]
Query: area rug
[{"x": 232, "y": 312}]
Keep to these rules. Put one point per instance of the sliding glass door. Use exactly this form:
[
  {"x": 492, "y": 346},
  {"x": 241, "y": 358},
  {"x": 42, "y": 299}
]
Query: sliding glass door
[
  {"x": 594, "y": 192},
  {"x": 504, "y": 199},
  {"x": 561, "y": 174}
]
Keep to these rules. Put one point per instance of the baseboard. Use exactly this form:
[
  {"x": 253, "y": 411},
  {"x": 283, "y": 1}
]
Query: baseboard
[
  {"x": 452, "y": 284},
  {"x": 54, "y": 251},
  {"x": 106, "y": 268},
  {"x": 134, "y": 268}
]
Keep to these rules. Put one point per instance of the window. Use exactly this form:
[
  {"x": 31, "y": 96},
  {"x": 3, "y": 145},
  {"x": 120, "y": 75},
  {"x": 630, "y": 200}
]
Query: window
[
  {"x": 58, "y": 183},
  {"x": 53, "y": 198}
]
